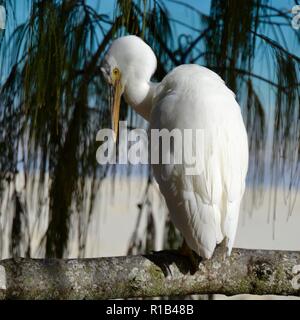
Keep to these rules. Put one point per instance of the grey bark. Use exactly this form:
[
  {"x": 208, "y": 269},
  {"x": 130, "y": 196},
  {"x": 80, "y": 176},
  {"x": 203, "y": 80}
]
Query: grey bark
[{"x": 164, "y": 273}]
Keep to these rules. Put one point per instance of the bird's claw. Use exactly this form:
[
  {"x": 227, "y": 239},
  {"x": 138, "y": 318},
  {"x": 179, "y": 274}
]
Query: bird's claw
[{"x": 194, "y": 260}]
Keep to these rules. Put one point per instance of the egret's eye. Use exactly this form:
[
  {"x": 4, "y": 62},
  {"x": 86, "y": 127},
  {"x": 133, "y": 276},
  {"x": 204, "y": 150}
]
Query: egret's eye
[{"x": 116, "y": 72}]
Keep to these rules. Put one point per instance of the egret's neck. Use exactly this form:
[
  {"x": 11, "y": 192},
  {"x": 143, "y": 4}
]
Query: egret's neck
[{"x": 139, "y": 94}]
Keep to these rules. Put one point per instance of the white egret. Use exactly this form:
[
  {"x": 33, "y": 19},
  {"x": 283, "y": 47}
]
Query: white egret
[{"x": 204, "y": 207}]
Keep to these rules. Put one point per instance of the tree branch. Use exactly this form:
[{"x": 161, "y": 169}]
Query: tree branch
[{"x": 164, "y": 273}]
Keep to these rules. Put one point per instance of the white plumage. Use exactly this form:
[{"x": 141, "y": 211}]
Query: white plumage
[{"x": 204, "y": 207}]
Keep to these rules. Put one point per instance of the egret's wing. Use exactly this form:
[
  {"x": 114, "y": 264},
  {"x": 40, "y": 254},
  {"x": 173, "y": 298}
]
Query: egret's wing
[{"x": 205, "y": 206}]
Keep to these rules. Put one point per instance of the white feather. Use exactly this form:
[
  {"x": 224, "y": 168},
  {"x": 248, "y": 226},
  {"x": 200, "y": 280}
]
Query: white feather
[{"x": 204, "y": 207}]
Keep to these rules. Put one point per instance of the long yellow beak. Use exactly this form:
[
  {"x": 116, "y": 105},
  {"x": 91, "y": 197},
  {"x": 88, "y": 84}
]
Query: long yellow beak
[{"x": 116, "y": 107}]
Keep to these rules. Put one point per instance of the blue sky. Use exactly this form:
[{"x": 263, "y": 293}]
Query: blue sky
[
  {"x": 176, "y": 10},
  {"x": 185, "y": 15}
]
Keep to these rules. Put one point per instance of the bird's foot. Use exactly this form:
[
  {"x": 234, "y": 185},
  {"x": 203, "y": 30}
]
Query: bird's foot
[
  {"x": 222, "y": 250},
  {"x": 193, "y": 258}
]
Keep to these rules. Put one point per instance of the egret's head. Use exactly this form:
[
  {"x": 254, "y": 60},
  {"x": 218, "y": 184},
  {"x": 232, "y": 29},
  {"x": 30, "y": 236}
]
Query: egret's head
[{"x": 129, "y": 58}]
